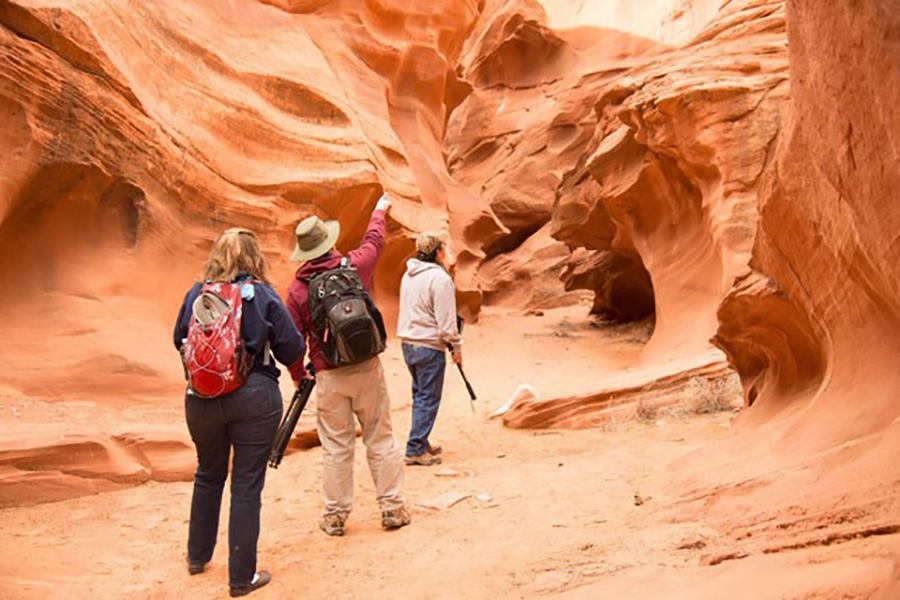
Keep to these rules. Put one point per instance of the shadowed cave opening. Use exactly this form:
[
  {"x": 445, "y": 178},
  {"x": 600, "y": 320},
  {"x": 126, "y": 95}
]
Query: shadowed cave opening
[{"x": 68, "y": 221}]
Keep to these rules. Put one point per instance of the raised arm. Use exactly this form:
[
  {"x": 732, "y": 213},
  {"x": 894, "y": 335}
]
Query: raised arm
[{"x": 365, "y": 257}]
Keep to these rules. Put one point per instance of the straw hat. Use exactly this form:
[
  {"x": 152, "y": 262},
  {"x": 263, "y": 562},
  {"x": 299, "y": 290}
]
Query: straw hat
[{"x": 315, "y": 237}]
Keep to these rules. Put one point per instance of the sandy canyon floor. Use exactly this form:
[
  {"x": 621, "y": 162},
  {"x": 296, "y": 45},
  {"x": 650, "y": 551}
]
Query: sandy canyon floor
[{"x": 572, "y": 513}]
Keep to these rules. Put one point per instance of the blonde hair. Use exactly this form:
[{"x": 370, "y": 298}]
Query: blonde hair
[
  {"x": 234, "y": 253},
  {"x": 430, "y": 241}
]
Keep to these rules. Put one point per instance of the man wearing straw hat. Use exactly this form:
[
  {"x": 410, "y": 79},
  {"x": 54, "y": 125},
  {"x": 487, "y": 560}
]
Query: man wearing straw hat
[{"x": 343, "y": 392}]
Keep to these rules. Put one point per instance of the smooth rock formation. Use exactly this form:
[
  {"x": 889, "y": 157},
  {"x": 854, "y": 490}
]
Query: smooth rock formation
[
  {"x": 618, "y": 397},
  {"x": 812, "y": 329},
  {"x": 661, "y": 201},
  {"x": 47, "y": 465},
  {"x": 526, "y": 122},
  {"x": 653, "y": 154},
  {"x": 669, "y": 183}
]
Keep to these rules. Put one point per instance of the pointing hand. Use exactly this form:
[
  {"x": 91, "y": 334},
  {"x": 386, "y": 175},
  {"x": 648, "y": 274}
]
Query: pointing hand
[{"x": 384, "y": 203}]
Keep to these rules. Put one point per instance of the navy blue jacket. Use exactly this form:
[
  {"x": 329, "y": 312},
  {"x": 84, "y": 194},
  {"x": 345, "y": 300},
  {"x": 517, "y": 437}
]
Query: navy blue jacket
[{"x": 264, "y": 319}]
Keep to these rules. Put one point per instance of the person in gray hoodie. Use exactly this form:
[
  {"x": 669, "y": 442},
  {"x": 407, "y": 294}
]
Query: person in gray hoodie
[{"x": 427, "y": 327}]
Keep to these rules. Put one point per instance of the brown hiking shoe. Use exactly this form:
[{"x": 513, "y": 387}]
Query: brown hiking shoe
[
  {"x": 395, "y": 519},
  {"x": 332, "y": 525},
  {"x": 435, "y": 450},
  {"x": 425, "y": 460}
]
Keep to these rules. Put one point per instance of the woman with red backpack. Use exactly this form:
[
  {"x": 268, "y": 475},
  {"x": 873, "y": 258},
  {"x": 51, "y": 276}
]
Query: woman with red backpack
[{"x": 229, "y": 326}]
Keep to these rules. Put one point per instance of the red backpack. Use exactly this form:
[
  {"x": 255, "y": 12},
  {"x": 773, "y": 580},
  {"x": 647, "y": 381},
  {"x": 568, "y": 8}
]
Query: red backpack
[{"x": 216, "y": 360}]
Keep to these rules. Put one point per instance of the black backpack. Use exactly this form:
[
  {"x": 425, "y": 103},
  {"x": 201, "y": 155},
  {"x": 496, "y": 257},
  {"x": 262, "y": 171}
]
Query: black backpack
[{"x": 345, "y": 322}]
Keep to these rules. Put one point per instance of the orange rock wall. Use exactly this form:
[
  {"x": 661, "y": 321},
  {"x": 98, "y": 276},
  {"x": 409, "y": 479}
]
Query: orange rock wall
[
  {"x": 668, "y": 184},
  {"x": 813, "y": 327},
  {"x": 659, "y": 158},
  {"x": 135, "y": 132}
]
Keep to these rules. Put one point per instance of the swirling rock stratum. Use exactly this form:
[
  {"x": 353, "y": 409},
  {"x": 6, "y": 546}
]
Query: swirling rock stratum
[
  {"x": 134, "y": 132},
  {"x": 812, "y": 328},
  {"x": 654, "y": 154}
]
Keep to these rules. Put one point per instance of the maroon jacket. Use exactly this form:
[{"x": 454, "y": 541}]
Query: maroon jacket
[{"x": 363, "y": 260}]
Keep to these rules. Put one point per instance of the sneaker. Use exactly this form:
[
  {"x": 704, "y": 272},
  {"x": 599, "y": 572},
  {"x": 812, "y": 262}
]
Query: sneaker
[
  {"x": 425, "y": 460},
  {"x": 259, "y": 580},
  {"x": 332, "y": 525},
  {"x": 395, "y": 519},
  {"x": 435, "y": 450}
]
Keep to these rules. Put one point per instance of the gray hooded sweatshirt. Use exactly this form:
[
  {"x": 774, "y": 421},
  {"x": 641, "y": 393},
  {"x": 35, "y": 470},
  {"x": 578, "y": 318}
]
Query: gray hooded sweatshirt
[{"x": 428, "y": 306}]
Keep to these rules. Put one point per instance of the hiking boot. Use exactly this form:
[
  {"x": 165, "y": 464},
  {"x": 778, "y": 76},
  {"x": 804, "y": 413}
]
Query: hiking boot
[
  {"x": 259, "y": 580},
  {"x": 395, "y": 519},
  {"x": 435, "y": 450},
  {"x": 194, "y": 568},
  {"x": 332, "y": 525},
  {"x": 425, "y": 460}
]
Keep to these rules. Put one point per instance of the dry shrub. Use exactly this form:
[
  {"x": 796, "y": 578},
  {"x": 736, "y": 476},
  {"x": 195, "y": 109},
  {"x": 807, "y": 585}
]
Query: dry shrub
[
  {"x": 645, "y": 412},
  {"x": 706, "y": 396},
  {"x": 634, "y": 332}
]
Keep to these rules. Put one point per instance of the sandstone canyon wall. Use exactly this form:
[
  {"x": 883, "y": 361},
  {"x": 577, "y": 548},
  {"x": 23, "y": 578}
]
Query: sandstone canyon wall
[
  {"x": 135, "y": 132},
  {"x": 655, "y": 188},
  {"x": 655, "y": 155},
  {"x": 812, "y": 328}
]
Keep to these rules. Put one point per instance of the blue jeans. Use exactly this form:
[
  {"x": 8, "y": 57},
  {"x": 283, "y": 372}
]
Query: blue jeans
[
  {"x": 244, "y": 420},
  {"x": 427, "y": 367}
]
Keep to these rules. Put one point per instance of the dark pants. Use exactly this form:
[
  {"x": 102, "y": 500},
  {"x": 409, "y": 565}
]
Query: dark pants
[
  {"x": 427, "y": 367},
  {"x": 245, "y": 420}
]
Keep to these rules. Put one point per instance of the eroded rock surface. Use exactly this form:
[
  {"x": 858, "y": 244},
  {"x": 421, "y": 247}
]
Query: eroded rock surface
[
  {"x": 54, "y": 464},
  {"x": 812, "y": 328},
  {"x": 655, "y": 154},
  {"x": 660, "y": 201}
]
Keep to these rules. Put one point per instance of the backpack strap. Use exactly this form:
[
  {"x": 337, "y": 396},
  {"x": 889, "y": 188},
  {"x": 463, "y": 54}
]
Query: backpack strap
[{"x": 249, "y": 293}]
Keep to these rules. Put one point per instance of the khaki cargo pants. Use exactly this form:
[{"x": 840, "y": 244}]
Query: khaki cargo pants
[{"x": 340, "y": 394}]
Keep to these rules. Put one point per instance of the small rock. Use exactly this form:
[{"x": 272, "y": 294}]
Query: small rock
[
  {"x": 691, "y": 545},
  {"x": 16, "y": 412},
  {"x": 501, "y": 456},
  {"x": 483, "y": 497},
  {"x": 446, "y": 473}
]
